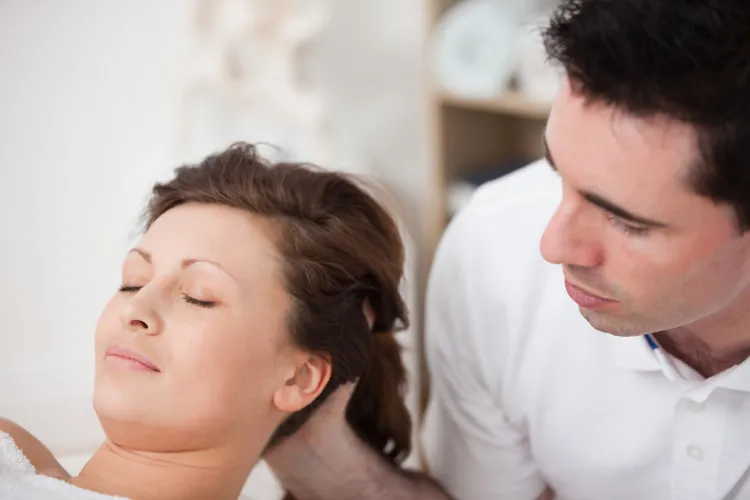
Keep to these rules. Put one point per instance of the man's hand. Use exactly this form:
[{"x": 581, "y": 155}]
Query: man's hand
[
  {"x": 315, "y": 459},
  {"x": 325, "y": 432},
  {"x": 325, "y": 437},
  {"x": 325, "y": 459}
]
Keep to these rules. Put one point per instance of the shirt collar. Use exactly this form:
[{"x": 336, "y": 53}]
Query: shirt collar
[
  {"x": 736, "y": 378},
  {"x": 634, "y": 353}
]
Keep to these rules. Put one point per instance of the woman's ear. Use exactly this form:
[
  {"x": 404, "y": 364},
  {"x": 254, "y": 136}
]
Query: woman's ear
[{"x": 304, "y": 385}]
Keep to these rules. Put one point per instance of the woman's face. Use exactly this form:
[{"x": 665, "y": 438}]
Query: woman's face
[{"x": 193, "y": 350}]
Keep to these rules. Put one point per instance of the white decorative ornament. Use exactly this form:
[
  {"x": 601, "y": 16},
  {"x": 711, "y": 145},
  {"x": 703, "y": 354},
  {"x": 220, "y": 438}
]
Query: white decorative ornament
[
  {"x": 242, "y": 79},
  {"x": 537, "y": 78},
  {"x": 475, "y": 48}
]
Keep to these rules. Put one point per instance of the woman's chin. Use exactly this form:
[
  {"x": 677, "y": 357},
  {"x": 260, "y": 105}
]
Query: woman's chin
[
  {"x": 138, "y": 423},
  {"x": 118, "y": 402},
  {"x": 143, "y": 437},
  {"x": 128, "y": 394}
]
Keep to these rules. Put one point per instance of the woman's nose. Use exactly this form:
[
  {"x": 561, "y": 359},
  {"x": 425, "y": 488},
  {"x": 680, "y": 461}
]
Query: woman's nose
[{"x": 140, "y": 314}]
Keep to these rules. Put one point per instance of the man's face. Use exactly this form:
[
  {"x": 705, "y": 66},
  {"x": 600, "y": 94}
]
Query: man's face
[{"x": 640, "y": 250}]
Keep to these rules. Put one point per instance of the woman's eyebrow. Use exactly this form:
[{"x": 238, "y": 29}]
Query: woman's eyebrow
[
  {"x": 185, "y": 262},
  {"x": 189, "y": 262}
]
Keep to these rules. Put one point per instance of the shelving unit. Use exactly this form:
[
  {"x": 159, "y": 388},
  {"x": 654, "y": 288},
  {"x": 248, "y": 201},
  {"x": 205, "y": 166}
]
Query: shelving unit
[
  {"x": 466, "y": 135},
  {"x": 511, "y": 102},
  {"x": 469, "y": 134}
]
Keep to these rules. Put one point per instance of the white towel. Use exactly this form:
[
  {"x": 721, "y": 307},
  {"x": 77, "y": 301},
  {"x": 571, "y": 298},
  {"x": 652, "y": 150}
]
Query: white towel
[{"x": 19, "y": 480}]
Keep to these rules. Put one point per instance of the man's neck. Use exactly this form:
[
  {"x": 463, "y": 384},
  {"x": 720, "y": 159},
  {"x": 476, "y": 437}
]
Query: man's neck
[
  {"x": 165, "y": 476},
  {"x": 714, "y": 343},
  {"x": 706, "y": 359}
]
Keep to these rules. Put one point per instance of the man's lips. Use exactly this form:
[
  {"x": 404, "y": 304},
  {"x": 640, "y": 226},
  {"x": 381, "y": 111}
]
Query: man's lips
[
  {"x": 131, "y": 358},
  {"x": 586, "y": 299}
]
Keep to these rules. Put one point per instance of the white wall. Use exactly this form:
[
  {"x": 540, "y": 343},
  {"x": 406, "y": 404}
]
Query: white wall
[
  {"x": 88, "y": 98},
  {"x": 369, "y": 65}
]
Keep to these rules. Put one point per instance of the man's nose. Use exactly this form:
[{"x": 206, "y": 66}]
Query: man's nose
[{"x": 571, "y": 239}]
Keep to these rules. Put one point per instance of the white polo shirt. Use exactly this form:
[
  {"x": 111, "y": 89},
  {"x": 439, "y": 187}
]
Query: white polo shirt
[{"x": 524, "y": 392}]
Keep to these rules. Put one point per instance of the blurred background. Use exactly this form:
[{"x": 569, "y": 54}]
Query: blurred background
[{"x": 101, "y": 98}]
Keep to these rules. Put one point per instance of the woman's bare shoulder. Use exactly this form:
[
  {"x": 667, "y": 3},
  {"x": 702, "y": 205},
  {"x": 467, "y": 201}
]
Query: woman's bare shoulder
[{"x": 37, "y": 453}]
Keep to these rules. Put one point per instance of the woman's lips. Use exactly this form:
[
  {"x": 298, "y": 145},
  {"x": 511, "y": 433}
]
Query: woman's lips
[
  {"x": 130, "y": 358},
  {"x": 586, "y": 299}
]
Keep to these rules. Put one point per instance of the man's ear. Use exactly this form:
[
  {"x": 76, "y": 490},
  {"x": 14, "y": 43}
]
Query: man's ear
[{"x": 303, "y": 385}]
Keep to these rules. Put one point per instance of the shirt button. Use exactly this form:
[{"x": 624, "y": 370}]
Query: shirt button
[{"x": 695, "y": 452}]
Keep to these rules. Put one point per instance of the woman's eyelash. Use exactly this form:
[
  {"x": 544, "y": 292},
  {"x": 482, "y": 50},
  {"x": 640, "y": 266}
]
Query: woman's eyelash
[
  {"x": 196, "y": 302},
  {"x": 186, "y": 298}
]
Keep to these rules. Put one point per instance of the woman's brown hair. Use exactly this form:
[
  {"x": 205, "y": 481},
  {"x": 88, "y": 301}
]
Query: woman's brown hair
[{"x": 340, "y": 249}]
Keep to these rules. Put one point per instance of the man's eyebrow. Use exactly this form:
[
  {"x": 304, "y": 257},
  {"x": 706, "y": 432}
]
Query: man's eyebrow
[
  {"x": 602, "y": 202},
  {"x": 620, "y": 212}
]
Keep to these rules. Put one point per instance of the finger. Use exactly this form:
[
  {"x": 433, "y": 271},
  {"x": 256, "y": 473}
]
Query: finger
[{"x": 338, "y": 401}]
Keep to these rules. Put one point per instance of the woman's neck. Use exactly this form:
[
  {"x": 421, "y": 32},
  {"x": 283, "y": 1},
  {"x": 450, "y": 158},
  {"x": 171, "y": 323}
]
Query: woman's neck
[{"x": 215, "y": 474}]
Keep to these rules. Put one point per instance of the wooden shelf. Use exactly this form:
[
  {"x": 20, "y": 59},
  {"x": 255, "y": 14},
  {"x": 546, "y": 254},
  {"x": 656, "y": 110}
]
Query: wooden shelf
[
  {"x": 466, "y": 135},
  {"x": 510, "y": 102}
]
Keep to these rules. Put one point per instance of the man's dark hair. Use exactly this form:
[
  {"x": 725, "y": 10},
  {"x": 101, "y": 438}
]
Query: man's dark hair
[{"x": 685, "y": 59}]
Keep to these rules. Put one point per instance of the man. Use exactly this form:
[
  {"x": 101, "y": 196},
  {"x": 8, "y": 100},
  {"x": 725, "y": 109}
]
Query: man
[{"x": 638, "y": 387}]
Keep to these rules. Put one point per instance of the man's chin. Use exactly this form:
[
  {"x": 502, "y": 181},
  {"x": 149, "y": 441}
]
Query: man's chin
[{"x": 619, "y": 327}]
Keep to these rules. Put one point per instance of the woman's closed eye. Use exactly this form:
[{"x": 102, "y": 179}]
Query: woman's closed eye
[
  {"x": 196, "y": 302},
  {"x": 187, "y": 298}
]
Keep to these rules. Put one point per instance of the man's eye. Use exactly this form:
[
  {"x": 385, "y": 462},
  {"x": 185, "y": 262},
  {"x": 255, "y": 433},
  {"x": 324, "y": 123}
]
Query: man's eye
[{"x": 627, "y": 228}]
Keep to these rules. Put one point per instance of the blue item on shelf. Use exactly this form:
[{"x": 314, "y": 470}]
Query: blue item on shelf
[{"x": 492, "y": 172}]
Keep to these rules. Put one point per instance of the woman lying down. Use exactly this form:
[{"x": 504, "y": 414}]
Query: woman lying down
[{"x": 255, "y": 291}]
